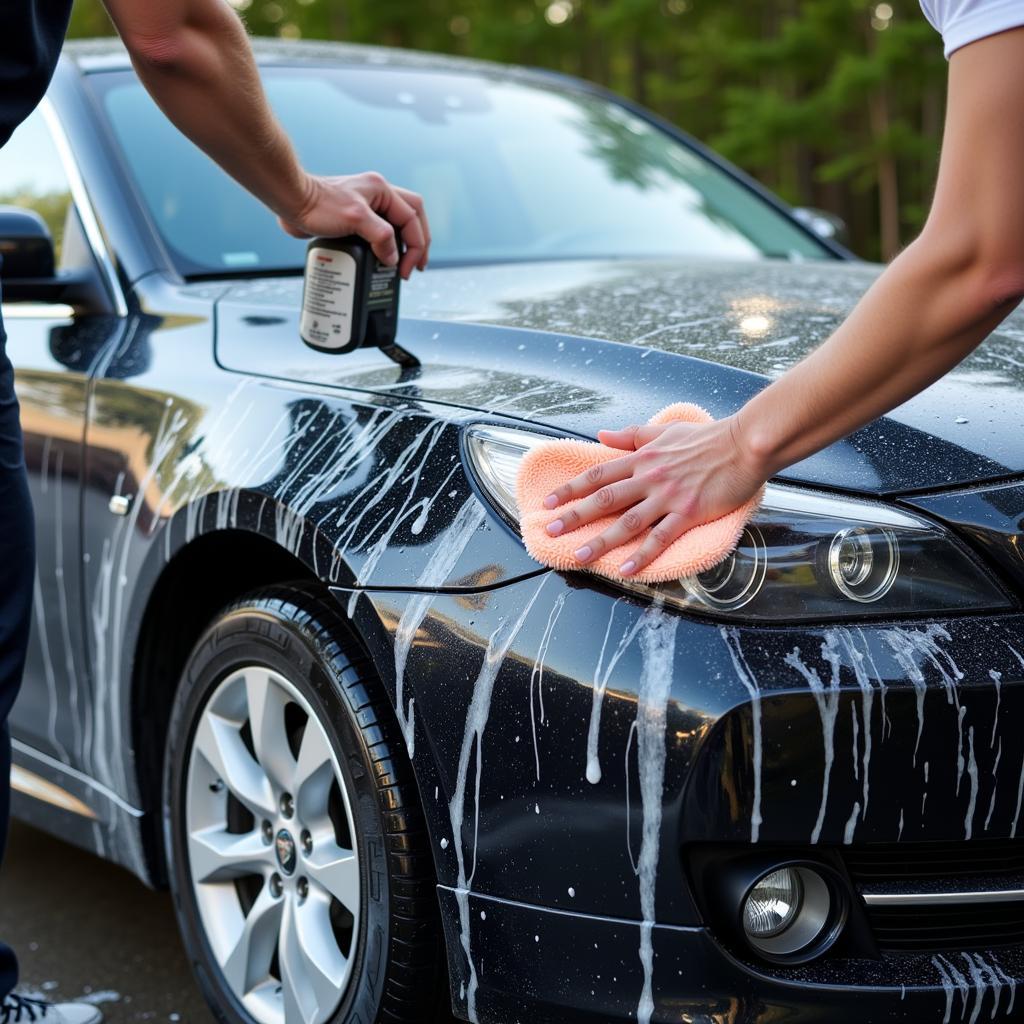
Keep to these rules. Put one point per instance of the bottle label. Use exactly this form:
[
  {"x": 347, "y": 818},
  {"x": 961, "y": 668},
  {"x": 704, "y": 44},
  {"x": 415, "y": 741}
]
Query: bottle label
[
  {"x": 328, "y": 298},
  {"x": 382, "y": 287}
]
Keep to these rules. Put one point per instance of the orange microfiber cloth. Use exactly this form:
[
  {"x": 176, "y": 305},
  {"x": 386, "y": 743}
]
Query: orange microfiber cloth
[{"x": 553, "y": 463}]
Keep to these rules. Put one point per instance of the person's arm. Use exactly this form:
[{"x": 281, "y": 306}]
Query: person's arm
[
  {"x": 194, "y": 58},
  {"x": 930, "y": 308}
]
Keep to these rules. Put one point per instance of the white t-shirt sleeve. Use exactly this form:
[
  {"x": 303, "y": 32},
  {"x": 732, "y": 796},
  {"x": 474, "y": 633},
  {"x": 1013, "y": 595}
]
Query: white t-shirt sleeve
[{"x": 964, "y": 21}]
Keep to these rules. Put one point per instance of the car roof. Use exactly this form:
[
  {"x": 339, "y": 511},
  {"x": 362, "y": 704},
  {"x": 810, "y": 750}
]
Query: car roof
[{"x": 109, "y": 54}]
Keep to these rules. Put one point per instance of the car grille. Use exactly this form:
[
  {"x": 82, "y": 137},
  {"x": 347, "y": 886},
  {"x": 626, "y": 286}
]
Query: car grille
[
  {"x": 941, "y": 896},
  {"x": 960, "y": 927},
  {"x": 908, "y": 862}
]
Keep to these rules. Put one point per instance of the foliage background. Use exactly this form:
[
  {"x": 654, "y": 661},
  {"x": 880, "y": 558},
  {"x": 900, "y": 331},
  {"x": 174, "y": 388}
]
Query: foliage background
[{"x": 832, "y": 103}]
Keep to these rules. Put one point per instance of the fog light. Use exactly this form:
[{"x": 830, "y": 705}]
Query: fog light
[
  {"x": 863, "y": 562},
  {"x": 772, "y": 904},
  {"x": 791, "y": 915}
]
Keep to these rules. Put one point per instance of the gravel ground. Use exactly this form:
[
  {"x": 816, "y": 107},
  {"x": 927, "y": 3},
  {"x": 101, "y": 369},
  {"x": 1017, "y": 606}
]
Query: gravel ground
[{"x": 84, "y": 928}]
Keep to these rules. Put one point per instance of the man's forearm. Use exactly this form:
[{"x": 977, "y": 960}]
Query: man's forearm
[
  {"x": 196, "y": 62},
  {"x": 194, "y": 58}
]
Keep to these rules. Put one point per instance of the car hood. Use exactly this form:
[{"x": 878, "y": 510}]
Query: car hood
[{"x": 584, "y": 345}]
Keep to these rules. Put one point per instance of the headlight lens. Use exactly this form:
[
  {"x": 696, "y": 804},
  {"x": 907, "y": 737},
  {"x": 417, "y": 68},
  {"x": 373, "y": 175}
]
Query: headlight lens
[{"x": 805, "y": 555}]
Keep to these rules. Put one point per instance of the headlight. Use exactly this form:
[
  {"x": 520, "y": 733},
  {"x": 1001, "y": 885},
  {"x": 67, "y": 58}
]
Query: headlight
[{"x": 805, "y": 555}]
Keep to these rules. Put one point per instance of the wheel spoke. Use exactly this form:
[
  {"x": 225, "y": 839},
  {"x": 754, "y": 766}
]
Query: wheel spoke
[
  {"x": 313, "y": 775},
  {"x": 267, "y": 702},
  {"x": 336, "y": 871},
  {"x": 249, "y": 961},
  {"x": 312, "y": 966},
  {"x": 219, "y": 742},
  {"x": 324, "y": 960},
  {"x": 218, "y": 856},
  {"x": 299, "y": 1002}
]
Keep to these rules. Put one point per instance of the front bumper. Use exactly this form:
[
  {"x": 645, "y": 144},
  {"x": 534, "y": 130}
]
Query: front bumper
[
  {"x": 572, "y": 742},
  {"x": 539, "y": 966}
]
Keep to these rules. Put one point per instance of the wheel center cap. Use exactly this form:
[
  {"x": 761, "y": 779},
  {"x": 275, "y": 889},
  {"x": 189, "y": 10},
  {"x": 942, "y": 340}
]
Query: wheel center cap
[{"x": 285, "y": 846}]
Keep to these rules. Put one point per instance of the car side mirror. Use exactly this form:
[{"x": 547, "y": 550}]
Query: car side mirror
[
  {"x": 29, "y": 272},
  {"x": 823, "y": 224},
  {"x": 25, "y": 245}
]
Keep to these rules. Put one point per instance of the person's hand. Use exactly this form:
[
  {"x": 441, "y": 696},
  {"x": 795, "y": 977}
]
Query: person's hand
[
  {"x": 369, "y": 206},
  {"x": 676, "y": 476}
]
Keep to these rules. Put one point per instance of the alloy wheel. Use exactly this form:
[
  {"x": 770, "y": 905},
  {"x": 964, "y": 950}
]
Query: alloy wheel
[{"x": 272, "y": 850}]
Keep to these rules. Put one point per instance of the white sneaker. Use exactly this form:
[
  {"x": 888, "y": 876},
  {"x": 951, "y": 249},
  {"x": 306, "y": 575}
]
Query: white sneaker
[{"x": 22, "y": 1010}]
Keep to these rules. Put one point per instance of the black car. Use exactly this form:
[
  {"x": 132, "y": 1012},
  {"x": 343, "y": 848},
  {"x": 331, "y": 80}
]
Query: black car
[{"x": 290, "y": 656}]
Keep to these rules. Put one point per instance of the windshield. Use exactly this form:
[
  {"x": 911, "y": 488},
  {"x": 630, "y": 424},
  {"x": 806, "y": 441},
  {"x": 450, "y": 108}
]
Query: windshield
[{"x": 509, "y": 172}]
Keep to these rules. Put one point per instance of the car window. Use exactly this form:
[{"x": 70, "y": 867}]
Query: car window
[
  {"x": 32, "y": 176},
  {"x": 509, "y": 171}
]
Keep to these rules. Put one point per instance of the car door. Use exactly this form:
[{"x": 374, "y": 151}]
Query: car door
[{"x": 54, "y": 349}]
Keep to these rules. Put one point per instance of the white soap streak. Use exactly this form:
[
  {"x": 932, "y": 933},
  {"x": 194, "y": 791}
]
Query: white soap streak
[
  {"x": 904, "y": 653},
  {"x": 909, "y": 644},
  {"x": 167, "y": 435},
  {"x": 44, "y": 464},
  {"x": 600, "y": 686},
  {"x": 100, "y": 614},
  {"x": 1010, "y": 983},
  {"x": 924, "y": 795},
  {"x": 882, "y": 688},
  {"x": 851, "y": 824},
  {"x": 379, "y": 488},
  {"x": 899, "y": 832},
  {"x": 844, "y": 639},
  {"x": 739, "y": 663},
  {"x": 855, "y": 727},
  {"x": 952, "y": 976},
  {"x": 48, "y": 671},
  {"x": 994, "y": 980},
  {"x": 395, "y": 518},
  {"x": 960, "y": 760},
  {"x": 537, "y": 674},
  {"x": 947, "y": 987},
  {"x": 997, "y": 678},
  {"x": 658, "y": 645},
  {"x": 1020, "y": 783},
  {"x": 995, "y": 770},
  {"x": 972, "y": 771},
  {"x": 426, "y": 505},
  {"x": 980, "y": 973},
  {"x": 473, "y": 736},
  {"x": 1020, "y": 794},
  {"x": 1016, "y": 654},
  {"x": 63, "y": 607},
  {"x": 828, "y": 708},
  {"x": 436, "y": 572}
]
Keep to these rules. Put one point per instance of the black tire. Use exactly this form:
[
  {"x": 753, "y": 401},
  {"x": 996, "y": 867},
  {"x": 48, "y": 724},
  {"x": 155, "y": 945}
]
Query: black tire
[{"x": 399, "y": 975}]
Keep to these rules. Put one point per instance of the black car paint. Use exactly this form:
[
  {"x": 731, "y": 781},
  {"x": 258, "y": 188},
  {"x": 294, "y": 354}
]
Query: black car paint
[{"x": 564, "y": 899}]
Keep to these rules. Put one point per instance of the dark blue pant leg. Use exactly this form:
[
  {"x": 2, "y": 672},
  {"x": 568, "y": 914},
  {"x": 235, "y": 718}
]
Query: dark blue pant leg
[{"x": 17, "y": 568}]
